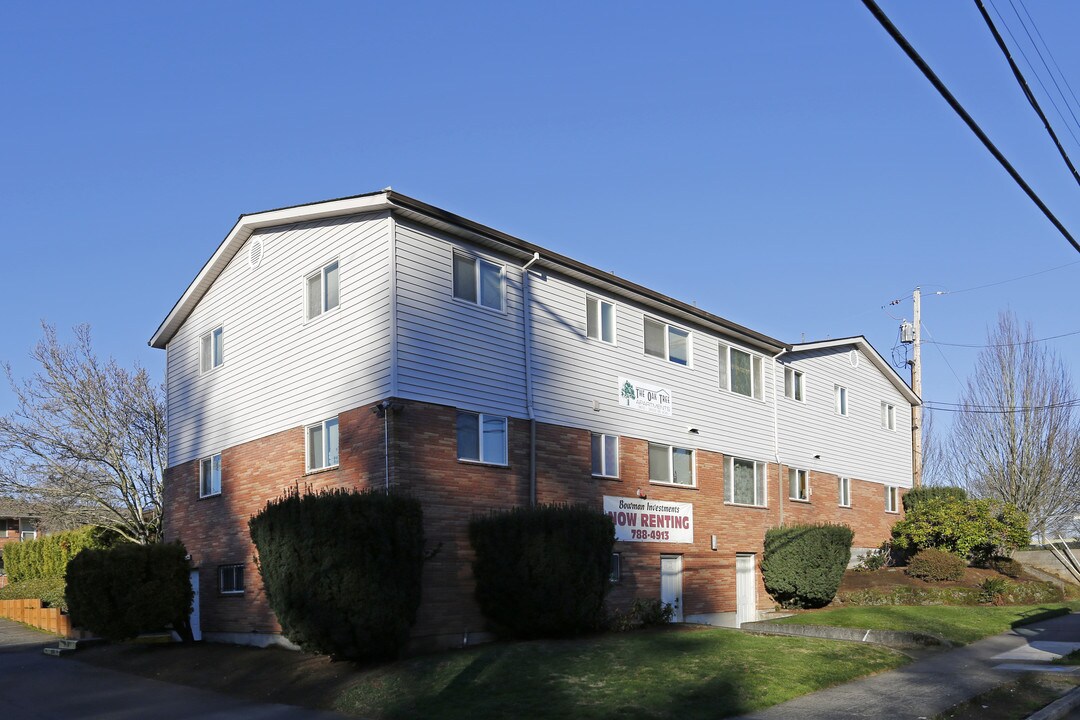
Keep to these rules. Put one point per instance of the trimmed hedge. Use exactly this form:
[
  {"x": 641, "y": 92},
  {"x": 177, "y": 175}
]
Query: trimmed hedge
[
  {"x": 122, "y": 591},
  {"x": 918, "y": 495},
  {"x": 47, "y": 557},
  {"x": 933, "y": 565},
  {"x": 50, "y": 591},
  {"x": 543, "y": 571},
  {"x": 342, "y": 569},
  {"x": 1028, "y": 593},
  {"x": 803, "y": 564}
]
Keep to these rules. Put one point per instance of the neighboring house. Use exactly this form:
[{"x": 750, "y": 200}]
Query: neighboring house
[
  {"x": 379, "y": 342},
  {"x": 17, "y": 522}
]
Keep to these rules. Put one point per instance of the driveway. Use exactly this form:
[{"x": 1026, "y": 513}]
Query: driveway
[{"x": 34, "y": 686}]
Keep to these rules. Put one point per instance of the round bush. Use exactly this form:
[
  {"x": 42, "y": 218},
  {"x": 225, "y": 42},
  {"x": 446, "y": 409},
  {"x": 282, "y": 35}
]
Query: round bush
[
  {"x": 935, "y": 565},
  {"x": 803, "y": 564},
  {"x": 1007, "y": 566}
]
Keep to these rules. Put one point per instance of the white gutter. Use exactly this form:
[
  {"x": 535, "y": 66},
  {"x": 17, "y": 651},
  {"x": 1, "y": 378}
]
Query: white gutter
[
  {"x": 526, "y": 315},
  {"x": 776, "y": 434}
]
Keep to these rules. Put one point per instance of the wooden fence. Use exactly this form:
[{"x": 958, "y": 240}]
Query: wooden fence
[{"x": 31, "y": 613}]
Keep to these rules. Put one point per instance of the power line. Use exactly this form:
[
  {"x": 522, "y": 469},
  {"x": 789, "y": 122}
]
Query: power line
[
  {"x": 942, "y": 354},
  {"x": 1049, "y": 52},
  {"x": 1039, "y": 53},
  {"x": 896, "y": 35},
  {"x": 989, "y": 410},
  {"x": 1002, "y": 282},
  {"x": 1000, "y": 345},
  {"x": 1027, "y": 90}
]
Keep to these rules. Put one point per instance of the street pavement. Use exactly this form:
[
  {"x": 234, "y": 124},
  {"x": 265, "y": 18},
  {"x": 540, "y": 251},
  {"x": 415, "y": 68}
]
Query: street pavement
[
  {"x": 34, "y": 686},
  {"x": 927, "y": 687}
]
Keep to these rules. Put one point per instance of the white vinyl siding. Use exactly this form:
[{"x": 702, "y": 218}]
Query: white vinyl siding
[
  {"x": 888, "y": 416},
  {"x": 798, "y": 485},
  {"x": 605, "y": 455},
  {"x": 322, "y": 291},
  {"x": 478, "y": 281},
  {"x": 671, "y": 465},
  {"x": 600, "y": 320},
  {"x": 841, "y": 395},
  {"x": 481, "y": 438},
  {"x": 745, "y": 483},
  {"x": 667, "y": 342},
  {"x": 322, "y": 445},
  {"x": 212, "y": 350},
  {"x": 210, "y": 476},
  {"x": 793, "y": 384},
  {"x": 741, "y": 372},
  {"x": 844, "y": 491}
]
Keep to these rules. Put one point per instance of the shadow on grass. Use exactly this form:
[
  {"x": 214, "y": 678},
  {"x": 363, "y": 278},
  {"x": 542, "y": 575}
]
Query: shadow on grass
[{"x": 1039, "y": 614}]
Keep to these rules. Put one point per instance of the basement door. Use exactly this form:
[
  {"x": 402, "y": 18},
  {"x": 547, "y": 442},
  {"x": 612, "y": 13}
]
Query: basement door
[
  {"x": 745, "y": 588},
  {"x": 671, "y": 584},
  {"x": 196, "y": 623}
]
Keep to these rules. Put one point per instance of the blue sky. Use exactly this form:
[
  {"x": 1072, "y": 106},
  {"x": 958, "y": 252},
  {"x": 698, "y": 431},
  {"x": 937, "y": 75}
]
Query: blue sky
[{"x": 780, "y": 164}]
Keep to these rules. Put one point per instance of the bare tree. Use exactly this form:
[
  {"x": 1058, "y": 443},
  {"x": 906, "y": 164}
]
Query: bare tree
[
  {"x": 1017, "y": 435},
  {"x": 86, "y": 441}
]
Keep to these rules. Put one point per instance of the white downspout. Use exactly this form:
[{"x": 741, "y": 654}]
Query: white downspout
[
  {"x": 776, "y": 434},
  {"x": 526, "y": 313}
]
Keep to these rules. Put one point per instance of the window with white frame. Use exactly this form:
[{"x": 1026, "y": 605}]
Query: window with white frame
[
  {"x": 231, "y": 579},
  {"x": 741, "y": 372},
  {"x": 892, "y": 497},
  {"x": 844, "y": 491},
  {"x": 841, "y": 400},
  {"x": 798, "y": 484},
  {"x": 667, "y": 342},
  {"x": 481, "y": 437},
  {"x": 210, "y": 476},
  {"x": 888, "y": 416},
  {"x": 605, "y": 455},
  {"x": 793, "y": 383},
  {"x": 615, "y": 574},
  {"x": 322, "y": 445},
  {"x": 478, "y": 281},
  {"x": 212, "y": 349},
  {"x": 600, "y": 319},
  {"x": 671, "y": 465},
  {"x": 321, "y": 291},
  {"x": 745, "y": 484}
]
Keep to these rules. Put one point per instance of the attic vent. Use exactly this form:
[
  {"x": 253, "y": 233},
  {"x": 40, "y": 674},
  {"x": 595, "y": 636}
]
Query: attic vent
[
  {"x": 255, "y": 253},
  {"x": 853, "y": 358}
]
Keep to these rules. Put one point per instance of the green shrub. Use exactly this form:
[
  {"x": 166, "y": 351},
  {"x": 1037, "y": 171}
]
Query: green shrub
[
  {"x": 543, "y": 571},
  {"x": 643, "y": 613},
  {"x": 127, "y": 589},
  {"x": 875, "y": 559},
  {"x": 47, "y": 557},
  {"x": 975, "y": 529},
  {"x": 342, "y": 569},
  {"x": 49, "y": 590},
  {"x": 993, "y": 590},
  {"x": 916, "y": 496},
  {"x": 1007, "y": 566},
  {"x": 935, "y": 565},
  {"x": 1028, "y": 593},
  {"x": 803, "y": 564}
]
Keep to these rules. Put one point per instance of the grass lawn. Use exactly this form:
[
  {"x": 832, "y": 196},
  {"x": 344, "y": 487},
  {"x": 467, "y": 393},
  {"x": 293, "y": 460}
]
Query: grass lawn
[
  {"x": 962, "y": 624},
  {"x": 659, "y": 673}
]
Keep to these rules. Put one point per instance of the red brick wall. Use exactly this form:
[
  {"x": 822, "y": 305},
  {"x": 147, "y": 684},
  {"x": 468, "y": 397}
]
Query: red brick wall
[{"x": 424, "y": 462}]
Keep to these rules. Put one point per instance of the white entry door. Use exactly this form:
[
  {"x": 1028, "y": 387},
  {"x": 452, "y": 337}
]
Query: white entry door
[
  {"x": 745, "y": 588},
  {"x": 196, "y": 626},
  {"x": 671, "y": 584}
]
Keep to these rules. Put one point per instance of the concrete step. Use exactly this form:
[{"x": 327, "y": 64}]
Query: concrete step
[
  {"x": 80, "y": 643},
  {"x": 57, "y": 652}
]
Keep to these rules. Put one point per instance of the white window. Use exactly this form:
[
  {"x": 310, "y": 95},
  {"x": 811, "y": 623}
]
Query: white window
[
  {"x": 600, "y": 319},
  {"x": 892, "y": 495},
  {"x": 672, "y": 465},
  {"x": 841, "y": 400},
  {"x": 888, "y": 416},
  {"x": 667, "y": 342},
  {"x": 745, "y": 482},
  {"x": 605, "y": 455},
  {"x": 478, "y": 281},
  {"x": 798, "y": 484},
  {"x": 741, "y": 372},
  {"x": 231, "y": 579},
  {"x": 481, "y": 437},
  {"x": 322, "y": 291},
  {"x": 322, "y": 445},
  {"x": 793, "y": 383},
  {"x": 212, "y": 349},
  {"x": 210, "y": 476},
  {"x": 844, "y": 491},
  {"x": 616, "y": 568}
]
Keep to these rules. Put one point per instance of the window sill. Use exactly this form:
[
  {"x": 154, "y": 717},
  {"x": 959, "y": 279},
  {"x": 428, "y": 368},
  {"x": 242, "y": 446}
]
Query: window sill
[
  {"x": 657, "y": 483},
  {"x": 317, "y": 471},
  {"x": 470, "y": 303},
  {"x": 745, "y": 505},
  {"x": 325, "y": 313},
  {"x": 211, "y": 496},
  {"x": 232, "y": 594},
  {"x": 481, "y": 463},
  {"x": 740, "y": 395},
  {"x": 799, "y": 500},
  {"x": 892, "y": 512},
  {"x": 665, "y": 361},
  {"x": 598, "y": 341},
  {"x": 844, "y": 507},
  {"x": 605, "y": 477}
]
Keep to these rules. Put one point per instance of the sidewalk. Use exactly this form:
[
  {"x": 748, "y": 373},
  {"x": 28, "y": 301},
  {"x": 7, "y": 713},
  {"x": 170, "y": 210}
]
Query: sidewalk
[{"x": 930, "y": 686}]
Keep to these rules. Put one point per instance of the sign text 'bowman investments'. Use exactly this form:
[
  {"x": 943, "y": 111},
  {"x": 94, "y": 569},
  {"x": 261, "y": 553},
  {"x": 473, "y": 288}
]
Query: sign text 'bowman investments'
[{"x": 643, "y": 520}]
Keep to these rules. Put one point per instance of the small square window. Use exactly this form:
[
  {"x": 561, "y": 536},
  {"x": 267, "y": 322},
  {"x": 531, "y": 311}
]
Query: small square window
[
  {"x": 210, "y": 476},
  {"x": 481, "y": 438},
  {"x": 478, "y": 281},
  {"x": 844, "y": 492},
  {"x": 212, "y": 349},
  {"x": 841, "y": 400},
  {"x": 741, "y": 372},
  {"x": 322, "y": 445},
  {"x": 667, "y": 342},
  {"x": 616, "y": 568},
  {"x": 605, "y": 455},
  {"x": 322, "y": 291},
  {"x": 672, "y": 465},
  {"x": 793, "y": 384},
  {"x": 888, "y": 416},
  {"x": 231, "y": 579},
  {"x": 892, "y": 497},
  {"x": 600, "y": 320},
  {"x": 798, "y": 484}
]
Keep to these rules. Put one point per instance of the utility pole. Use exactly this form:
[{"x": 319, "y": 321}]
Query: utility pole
[{"x": 916, "y": 386}]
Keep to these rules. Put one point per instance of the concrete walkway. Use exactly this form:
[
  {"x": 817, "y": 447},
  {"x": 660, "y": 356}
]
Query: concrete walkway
[{"x": 932, "y": 685}]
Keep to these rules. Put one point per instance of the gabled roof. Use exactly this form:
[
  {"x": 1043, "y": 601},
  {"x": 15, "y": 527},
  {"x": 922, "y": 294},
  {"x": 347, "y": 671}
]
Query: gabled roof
[
  {"x": 11, "y": 508},
  {"x": 407, "y": 207},
  {"x": 880, "y": 363}
]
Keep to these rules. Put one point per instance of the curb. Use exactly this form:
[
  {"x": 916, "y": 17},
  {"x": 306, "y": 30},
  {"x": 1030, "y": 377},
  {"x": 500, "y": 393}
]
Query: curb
[
  {"x": 890, "y": 638},
  {"x": 1060, "y": 707}
]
